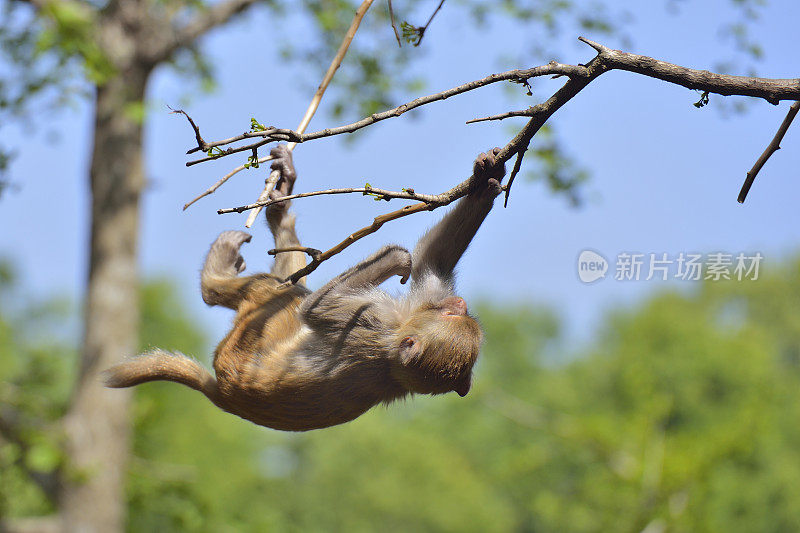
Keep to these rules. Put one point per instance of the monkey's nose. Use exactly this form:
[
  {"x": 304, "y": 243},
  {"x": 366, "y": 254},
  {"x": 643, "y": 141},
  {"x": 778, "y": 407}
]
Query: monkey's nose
[{"x": 455, "y": 306}]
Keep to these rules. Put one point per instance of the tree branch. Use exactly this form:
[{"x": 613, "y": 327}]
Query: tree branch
[
  {"x": 213, "y": 16},
  {"x": 379, "y": 194},
  {"x": 377, "y": 222},
  {"x": 225, "y": 178},
  {"x": 773, "y": 147},
  {"x": 551, "y": 68},
  {"x": 271, "y": 134},
  {"x": 394, "y": 24},
  {"x": 514, "y": 172},
  {"x": 313, "y": 252},
  {"x": 771, "y": 90},
  {"x": 423, "y": 29}
]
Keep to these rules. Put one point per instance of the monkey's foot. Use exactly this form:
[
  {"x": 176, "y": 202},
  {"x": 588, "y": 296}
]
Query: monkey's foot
[
  {"x": 399, "y": 258},
  {"x": 225, "y": 251}
]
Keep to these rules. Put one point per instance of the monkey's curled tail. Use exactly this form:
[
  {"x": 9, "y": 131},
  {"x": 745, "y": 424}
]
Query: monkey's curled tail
[{"x": 160, "y": 365}]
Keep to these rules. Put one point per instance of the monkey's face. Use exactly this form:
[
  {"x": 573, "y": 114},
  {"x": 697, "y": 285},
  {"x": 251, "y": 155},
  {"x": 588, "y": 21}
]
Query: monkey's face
[{"x": 438, "y": 347}]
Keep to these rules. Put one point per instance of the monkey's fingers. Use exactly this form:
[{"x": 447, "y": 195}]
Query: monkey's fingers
[{"x": 486, "y": 166}]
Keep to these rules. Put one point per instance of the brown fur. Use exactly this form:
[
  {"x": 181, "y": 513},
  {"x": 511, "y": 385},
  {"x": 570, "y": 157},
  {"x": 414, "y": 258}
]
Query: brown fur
[{"x": 299, "y": 360}]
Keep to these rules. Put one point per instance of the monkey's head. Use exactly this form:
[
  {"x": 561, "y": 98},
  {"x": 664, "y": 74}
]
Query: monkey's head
[{"x": 438, "y": 346}]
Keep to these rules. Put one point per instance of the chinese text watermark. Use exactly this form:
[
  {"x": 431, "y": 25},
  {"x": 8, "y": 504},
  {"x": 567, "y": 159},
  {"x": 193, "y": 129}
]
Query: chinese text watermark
[{"x": 632, "y": 266}]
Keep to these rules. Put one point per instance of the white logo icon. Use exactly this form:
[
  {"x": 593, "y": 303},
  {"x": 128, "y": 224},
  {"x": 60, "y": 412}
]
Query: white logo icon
[{"x": 591, "y": 266}]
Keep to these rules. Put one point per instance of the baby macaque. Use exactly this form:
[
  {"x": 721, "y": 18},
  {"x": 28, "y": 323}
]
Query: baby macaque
[{"x": 298, "y": 360}]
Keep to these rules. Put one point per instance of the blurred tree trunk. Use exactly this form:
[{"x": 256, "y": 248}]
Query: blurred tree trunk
[
  {"x": 92, "y": 495},
  {"x": 135, "y": 36}
]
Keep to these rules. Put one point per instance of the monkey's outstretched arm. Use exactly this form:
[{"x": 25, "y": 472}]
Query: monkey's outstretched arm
[
  {"x": 440, "y": 249},
  {"x": 327, "y": 301}
]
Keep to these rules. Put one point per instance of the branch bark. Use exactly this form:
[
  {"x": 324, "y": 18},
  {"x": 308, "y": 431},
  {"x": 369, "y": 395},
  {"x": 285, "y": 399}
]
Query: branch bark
[{"x": 216, "y": 15}]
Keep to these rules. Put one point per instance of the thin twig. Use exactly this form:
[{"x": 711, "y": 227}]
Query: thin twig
[
  {"x": 312, "y": 108},
  {"x": 312, "y": 252},
  {"x": 275, "y": 136},
  {"x": 501, "y": 116},
  {"x": 381, "y": 194},
  {"x": 225, "y": 178},
  {"x": 394, "y": 25},
  {"x": 201, "y": 144},
  {"x": 774, "y": 146},
  {"x": 268, "y": 134},
  {"x": 514, "y": 172},
  {"x": 423, "y": 29}
]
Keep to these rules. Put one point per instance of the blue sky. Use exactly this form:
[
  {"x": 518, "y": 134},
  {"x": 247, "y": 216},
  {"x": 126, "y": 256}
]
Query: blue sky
[{"x": 664, "y": 175}]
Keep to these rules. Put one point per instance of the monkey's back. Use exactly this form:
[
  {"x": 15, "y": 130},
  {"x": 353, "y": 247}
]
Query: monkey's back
[{"x": 269, "y": 369}]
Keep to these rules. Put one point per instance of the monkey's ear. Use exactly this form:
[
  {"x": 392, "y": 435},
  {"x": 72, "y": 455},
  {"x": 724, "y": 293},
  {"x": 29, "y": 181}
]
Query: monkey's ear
[
  {"x": 463, "y": 386},
  {"x": 410, "y": 348}
]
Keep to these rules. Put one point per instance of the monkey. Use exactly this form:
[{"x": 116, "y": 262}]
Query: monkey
[{"x": 299, "y": 360}]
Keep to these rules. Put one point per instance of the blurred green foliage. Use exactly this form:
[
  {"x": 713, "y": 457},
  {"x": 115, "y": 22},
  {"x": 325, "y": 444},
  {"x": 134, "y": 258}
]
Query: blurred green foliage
[
  {"x": 682, "y": 415},
  {"x": 36, "y": 369}
]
